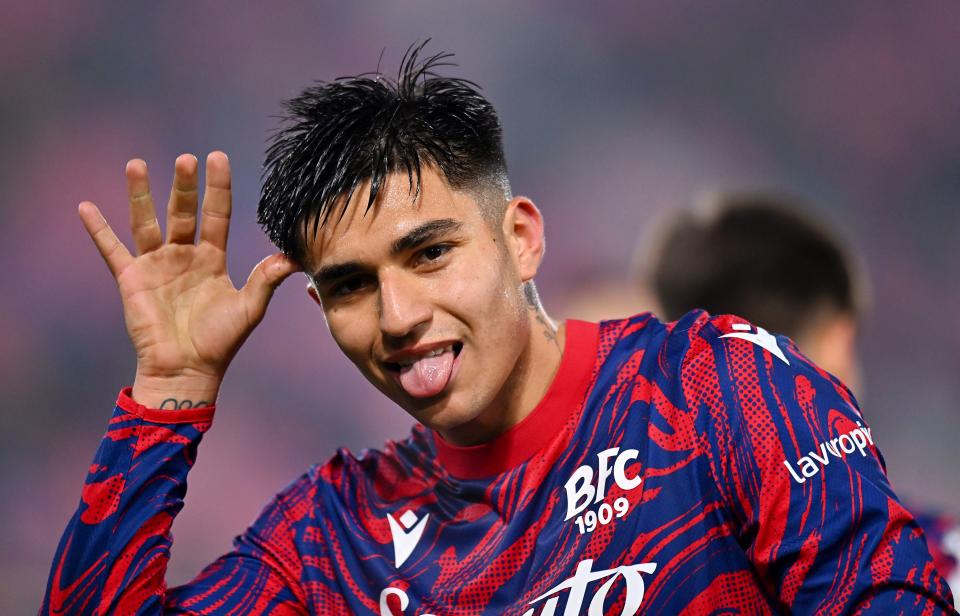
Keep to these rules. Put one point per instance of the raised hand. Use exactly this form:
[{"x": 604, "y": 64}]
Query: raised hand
[{"x": 183, "y": 314}]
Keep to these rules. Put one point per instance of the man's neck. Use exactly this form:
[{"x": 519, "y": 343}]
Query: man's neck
[{"x": 526, "y": 386}]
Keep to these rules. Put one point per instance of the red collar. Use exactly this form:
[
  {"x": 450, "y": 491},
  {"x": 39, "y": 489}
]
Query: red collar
[{"x": 519, "y": 443}]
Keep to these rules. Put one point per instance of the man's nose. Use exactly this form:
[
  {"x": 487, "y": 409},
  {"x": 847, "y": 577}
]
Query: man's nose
[{"x": 403, "y": 306}]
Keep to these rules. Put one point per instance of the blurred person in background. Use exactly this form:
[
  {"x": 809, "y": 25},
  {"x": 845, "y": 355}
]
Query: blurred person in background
[
  {"x": 612, "y": 468},
  {"x": 760, "y": 257},
  {"x": 756, "y": 256}
]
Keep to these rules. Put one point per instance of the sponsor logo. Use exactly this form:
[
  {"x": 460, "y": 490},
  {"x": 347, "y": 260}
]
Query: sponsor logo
[
  {"x": 406, "y": 534},
  {"x": 816, "y": 460},
  {"x": 762, "y": 338},
  {"x": 577, "y": 590},
  {"x": 582, "y": 492}
]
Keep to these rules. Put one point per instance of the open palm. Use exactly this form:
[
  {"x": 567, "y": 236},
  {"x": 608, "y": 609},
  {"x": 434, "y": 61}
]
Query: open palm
[{"x": 184, "y": 315}]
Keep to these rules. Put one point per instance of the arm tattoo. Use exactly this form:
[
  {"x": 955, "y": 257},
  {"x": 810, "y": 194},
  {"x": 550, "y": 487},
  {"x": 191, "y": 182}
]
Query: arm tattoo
[{"x": 172, "y": 404}]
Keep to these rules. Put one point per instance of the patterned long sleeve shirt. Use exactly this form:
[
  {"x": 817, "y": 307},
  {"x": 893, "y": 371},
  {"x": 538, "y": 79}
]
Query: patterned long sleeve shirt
[{"x": 696, "y": 467}]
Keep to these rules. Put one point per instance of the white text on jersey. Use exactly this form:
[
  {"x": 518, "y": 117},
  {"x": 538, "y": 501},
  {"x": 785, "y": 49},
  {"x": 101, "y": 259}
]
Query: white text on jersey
[
  {"x": 581, "y": 491},
  {"x": 577, "y": 587},
  {"x": 813, "y": 462}
]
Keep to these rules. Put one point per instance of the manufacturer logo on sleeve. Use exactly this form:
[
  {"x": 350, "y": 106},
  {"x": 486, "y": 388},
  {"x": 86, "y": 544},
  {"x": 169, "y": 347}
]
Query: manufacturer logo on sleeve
[
  {"x": 406, "y": 534},
  {"x": 762, "y": 338}
]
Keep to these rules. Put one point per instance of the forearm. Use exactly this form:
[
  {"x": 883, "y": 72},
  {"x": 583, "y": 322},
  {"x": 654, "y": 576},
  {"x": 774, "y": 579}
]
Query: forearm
[
  {"x": 186, "y": 321},
  {"x": 115, "y": 549}
]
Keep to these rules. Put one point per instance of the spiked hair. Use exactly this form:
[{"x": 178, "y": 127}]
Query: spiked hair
[{"x": 337, "y": 135}]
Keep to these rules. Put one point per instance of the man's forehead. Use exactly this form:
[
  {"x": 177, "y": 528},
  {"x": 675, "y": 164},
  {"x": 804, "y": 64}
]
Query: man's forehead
[{"x": 397, "y": 213}]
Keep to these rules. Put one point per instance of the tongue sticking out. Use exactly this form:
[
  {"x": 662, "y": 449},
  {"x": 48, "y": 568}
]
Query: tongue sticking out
[{"x": 428, "y": 376}]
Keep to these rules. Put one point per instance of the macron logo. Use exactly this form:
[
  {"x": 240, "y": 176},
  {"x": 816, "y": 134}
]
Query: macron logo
[
  {"x": 762, "y": 338},
  {"x": 406, "y": 534}
]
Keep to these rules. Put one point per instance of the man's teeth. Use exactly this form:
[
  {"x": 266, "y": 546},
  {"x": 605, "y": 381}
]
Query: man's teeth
[{"x": 404, "y": 363}]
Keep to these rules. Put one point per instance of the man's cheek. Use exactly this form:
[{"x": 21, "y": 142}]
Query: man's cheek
[
  {"x": 483, "y": 285},
  {"x": 458, "y": 290},
  {"x": 350, "y": 339}
]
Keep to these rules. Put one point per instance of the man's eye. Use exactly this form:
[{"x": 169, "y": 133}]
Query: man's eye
[
  {"x": 347, "y": 287},
  {"x": 433, "y": 253}
]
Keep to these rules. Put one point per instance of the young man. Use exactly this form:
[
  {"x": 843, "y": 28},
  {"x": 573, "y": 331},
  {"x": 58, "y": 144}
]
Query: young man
[
  {"x": 806, "y": 287},
  {"x": 621, "y": 468}
]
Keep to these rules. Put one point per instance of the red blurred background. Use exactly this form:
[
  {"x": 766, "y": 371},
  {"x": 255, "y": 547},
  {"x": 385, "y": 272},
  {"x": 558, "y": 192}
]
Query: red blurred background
[{"x": 612, "y": 116}]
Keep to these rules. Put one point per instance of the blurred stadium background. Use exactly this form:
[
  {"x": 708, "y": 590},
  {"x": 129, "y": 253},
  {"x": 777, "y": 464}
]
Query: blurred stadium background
[{"x": 613, "y": 114}]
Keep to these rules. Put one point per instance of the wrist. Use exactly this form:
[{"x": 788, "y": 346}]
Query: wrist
[{"x": 173, "y": 393}]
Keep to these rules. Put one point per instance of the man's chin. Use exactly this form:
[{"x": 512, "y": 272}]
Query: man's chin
[{"x": 440, "y": 412}]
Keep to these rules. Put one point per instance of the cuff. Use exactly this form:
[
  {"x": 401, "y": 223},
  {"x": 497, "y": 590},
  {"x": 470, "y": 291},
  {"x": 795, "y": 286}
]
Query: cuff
[{"x": 126, "y": 402}]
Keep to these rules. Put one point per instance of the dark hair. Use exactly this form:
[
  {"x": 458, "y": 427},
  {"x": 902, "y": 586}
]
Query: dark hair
[
  {"x": 337, "y": 135},
  {"x": 755, "y": 256}
]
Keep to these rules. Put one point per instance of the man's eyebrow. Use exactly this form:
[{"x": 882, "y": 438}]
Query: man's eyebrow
[
  {"x": 424, "y": 233},
  {"x": 330, "y": 273},
  {"x": 412, "y": 239}
]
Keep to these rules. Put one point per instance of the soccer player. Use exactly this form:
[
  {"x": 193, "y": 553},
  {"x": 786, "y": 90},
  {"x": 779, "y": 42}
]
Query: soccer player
[
  {"x": 624, "y": 467},
  {"x": 758, "y": 256}
]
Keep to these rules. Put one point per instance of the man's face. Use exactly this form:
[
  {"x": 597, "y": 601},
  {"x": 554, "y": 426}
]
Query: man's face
[{"x": 426, "y": 297}]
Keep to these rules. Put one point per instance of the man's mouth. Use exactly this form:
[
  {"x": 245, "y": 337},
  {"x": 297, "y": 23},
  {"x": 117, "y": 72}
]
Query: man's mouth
[{"x": 426, "y": 374}]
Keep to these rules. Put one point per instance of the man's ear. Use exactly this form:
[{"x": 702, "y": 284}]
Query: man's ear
[{"x": 523, "y": 230}]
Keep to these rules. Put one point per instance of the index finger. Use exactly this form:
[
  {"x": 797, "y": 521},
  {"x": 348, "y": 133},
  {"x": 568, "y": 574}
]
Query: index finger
[{"x": 215, "y": 218}]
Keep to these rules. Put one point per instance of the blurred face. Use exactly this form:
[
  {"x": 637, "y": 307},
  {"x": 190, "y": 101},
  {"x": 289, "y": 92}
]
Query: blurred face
[
  {"x": 426, "y": 298},
  {"x": 831, "y": 343}
]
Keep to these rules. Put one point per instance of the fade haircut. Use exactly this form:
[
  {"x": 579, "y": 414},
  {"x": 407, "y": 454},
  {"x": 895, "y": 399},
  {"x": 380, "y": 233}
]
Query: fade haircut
[
  {"x": 755, "y": 256},
  {"x": 337, "y": 135}
]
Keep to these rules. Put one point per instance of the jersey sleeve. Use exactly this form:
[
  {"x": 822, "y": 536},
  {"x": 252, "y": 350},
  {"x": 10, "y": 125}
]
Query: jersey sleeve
[
  {"x": 802, "y": 479},
  {"x": 112, "y": 557}
]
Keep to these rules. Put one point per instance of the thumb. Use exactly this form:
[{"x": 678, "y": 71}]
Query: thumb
[{"x": 264, "y": 279}]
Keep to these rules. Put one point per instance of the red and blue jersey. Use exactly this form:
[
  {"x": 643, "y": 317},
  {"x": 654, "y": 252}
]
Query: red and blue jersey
[{"x": 696, "y": 467}]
